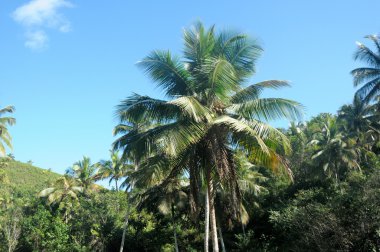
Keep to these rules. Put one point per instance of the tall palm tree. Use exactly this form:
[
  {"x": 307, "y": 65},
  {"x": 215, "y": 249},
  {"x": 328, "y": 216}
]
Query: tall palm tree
[
  {"x": 63, "y": 193},
  {"x": 86, "y": 173},
  {"x": 208, "y": 113},
  {"x": 114, "y": 169},
  {"x": 5, "y": 121},
  {"x": 368, "y": 77}
]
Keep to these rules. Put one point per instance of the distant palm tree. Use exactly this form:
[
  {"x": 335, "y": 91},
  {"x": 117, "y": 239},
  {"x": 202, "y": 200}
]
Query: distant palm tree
[
  {"x": 360, "y": 121},
  {"x": 298, "y": 138},
  {"x": 333, "y": 151},
  {"x": 359, "y": 117},
  {"x": 114, "y": 169},
  {"x": 86, "y": 174},
  {"x": 209, "y": 112},
  {"x": 63, "y": 193},
  {"x": 128, "y": 129},
  {"x": 368, "y": 77},
  {"x": 169, "y": 200},
  {"x": 5, "y": 121}
]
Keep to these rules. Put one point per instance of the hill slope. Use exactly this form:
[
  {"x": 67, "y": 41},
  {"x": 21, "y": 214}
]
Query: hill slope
[{"x": 28, "y": 178}]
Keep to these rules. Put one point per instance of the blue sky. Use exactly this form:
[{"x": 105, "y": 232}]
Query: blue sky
[{"x": 66, "y": 64}]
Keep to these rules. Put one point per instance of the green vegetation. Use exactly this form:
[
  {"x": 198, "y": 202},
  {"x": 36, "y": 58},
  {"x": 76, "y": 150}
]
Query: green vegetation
[
  {"x": 5, "y": 121},
  {"x": 205, "y": 164},
  {"x": 27, "y": 178},
  {"x": 210, "y": 114}
]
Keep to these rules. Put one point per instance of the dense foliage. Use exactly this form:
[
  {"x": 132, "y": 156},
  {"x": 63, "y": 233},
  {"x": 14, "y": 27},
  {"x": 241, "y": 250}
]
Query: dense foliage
[{"x": 207, "y": 159}]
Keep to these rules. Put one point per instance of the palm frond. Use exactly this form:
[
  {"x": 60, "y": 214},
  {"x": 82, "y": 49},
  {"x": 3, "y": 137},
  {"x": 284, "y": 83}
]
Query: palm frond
[
  {"x": 7, "y": 109},
  {"x": 244, "y": 131},
  {"x": 46, "y": 192},
  {"x": 369, "y": 90},
  {"x": 241, "y": 51},
  {"x": 375, "y": 40},
  {"x": 363, "y": 74},
  {"x": 122, "y": 129},
  {"x": 269, "y": 109},
  {"x": 253, "y": 92},
  {"x": 137, "y": 108},
  {"x": 365, "y": 54},
  {"x": 222, "y": 78},
  {"x": 192, "y": 108},
  {"x": 199, "y": 44},
  {"x": 169, "y": 73}
]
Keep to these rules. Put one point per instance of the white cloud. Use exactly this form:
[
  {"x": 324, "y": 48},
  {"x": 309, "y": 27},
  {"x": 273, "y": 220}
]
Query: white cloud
[
  {"x": 36, "y": 40},
  {"x": 39, "y": 15}
]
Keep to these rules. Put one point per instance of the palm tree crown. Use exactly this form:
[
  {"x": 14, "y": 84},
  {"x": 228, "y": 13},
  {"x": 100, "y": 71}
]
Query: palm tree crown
[
  {"x": 5, "y": 121},
  {"x": 114, "y": 169},
  {"x": 85, "y": 172},
  {"x": 63, "y": 189},
  {"x": 333, "y": 150},
  {"x": 368, "y": 77},
  {"x": 208, "y": 113}
]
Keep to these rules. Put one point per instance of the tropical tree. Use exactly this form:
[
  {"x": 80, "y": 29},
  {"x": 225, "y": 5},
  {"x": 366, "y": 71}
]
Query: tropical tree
[
  {"x": 114, "y": 169},
  {"x": 361, "y": 122},
  {"x": 368, "y": 77},
  {"x": 128, "y": 129},
  {"x": 208, "y": 114},
  {"x": 5, "y": 121},
  {"x": 169, "y": 200},
  {"x": 359, "y": 117},
  {"x": 85, "y": 173},
  {"x": 333, "y": 150},
  {"x": 64, "y": 193}
]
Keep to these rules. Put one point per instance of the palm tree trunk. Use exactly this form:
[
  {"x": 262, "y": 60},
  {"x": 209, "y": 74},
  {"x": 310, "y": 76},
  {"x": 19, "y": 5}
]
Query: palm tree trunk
[
  {"x": 207, "y": 220},
  {"x": 174, "y": 230},
  {"x": 125, "y": 224},
  {"x": 212, "y": 215},
  {"x": 243, "y": 228},
  {"x": 117, "y": 187},
  {"x": 221, "y": 238},
  {"x": 128, "y": 211},
  {"x": 214, "y": 233}
]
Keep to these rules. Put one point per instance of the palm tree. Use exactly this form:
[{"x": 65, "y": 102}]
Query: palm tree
[
  {"x": 133, "y": 157},
  {"x": 359, "y": 117},
  {"x": 6, "y": 121},
  {"x": 368, "y": 77},
  {"x": 168, "y": 200},
  {"x": 86, "y": 174},
  {"x": 114, "y": 169},
  {"x": 333, "y": 150},
  {"x": 297, "y": 134},
  {"x": 208, "y": 113},
  {"x": 249, "y": 181},
  {"x": 63, "y": 193}
]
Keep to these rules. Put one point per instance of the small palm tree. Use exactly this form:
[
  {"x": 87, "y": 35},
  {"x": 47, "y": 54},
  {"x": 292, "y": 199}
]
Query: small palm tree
[
  {"x": 359, "y": 117},
  {"x": 63, "y": 194},
  {"x": 86, "y": 174},
  {"x": 5, "y": 121},
  {"x": 361, "y": 122},
  {"x": 333, "y": 151},
  {"x": 368, "y": 77},
  {"x": 169, "y": 200},
  {"x": 298, "y": 138},
  {"x": 114, "y": 169}
]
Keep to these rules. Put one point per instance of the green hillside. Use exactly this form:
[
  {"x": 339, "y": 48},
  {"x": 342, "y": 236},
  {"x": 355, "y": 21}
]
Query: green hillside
[{"x": 28, "y": 178}]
